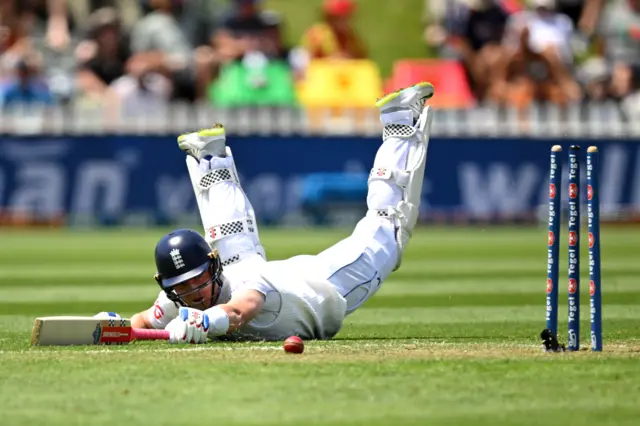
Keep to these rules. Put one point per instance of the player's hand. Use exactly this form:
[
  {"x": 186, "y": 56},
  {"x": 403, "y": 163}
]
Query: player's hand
[{"x": 190, "y": 326}]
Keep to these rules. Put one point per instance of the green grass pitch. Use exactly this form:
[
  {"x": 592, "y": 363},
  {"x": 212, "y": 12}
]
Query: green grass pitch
[{"x": 450, "y": 339}]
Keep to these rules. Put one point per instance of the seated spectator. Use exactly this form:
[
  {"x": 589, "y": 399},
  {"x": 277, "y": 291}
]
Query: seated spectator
[
  {"x": 14, "y": 40},
  {"x": 46, "y": 28},
  {"x": 41, "y": 19},
  {"x": 478, "y": 41},
  {"x": 128, "y": 11},
  {"x": 538, "y": 65},
  {"x": 594, "y": 77},
  {"x": 158, "y": 45},
  {"x": 619, "y": 29},
  {"x": 103, "y": 56},
  {"x": 242, "y": 30},
  {"x": 583, "y": 13},
  {"x": 273, "y": 45},
  {"x": 144, "y": 95},
  {"x": 255, "y": 66},
  {"x": 247, "y": 28},
  {"x": 442, "y": 19},
  {"x": 200, "y": 19},
  {"x": 335, "y": 36},
  {"x": 25, "y": 87},
  {"x": 584, "y": 16}
]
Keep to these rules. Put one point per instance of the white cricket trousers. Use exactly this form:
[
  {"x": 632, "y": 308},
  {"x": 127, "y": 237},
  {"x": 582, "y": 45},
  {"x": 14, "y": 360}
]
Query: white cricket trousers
[{"x": 360, "y": 263}]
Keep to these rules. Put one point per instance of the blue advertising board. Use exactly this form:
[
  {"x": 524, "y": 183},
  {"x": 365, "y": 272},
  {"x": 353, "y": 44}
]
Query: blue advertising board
[{"x": 110, "y": 178}]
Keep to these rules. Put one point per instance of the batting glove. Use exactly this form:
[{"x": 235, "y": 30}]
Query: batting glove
[{"x": 190, "y": 326}]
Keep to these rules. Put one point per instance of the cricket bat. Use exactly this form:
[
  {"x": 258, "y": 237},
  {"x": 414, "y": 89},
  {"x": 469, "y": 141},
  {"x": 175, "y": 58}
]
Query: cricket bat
[{"x": 78, "y": 330}]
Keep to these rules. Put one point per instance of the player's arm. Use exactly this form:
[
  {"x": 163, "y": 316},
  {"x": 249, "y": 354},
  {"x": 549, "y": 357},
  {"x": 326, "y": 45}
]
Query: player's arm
[
  {"x": 140, "y": 320},
  {"x": 191, "y": 326},
  {"x": 241, "y": 309},
  {"x": 158, "y": 316}
]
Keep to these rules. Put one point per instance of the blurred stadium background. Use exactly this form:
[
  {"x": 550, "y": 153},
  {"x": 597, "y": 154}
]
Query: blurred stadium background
[{"x": 93, "y": 93}]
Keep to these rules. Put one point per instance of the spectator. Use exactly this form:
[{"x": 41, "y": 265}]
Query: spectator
[
  {"x": 583, "y": 13},
  {"x": 594, "y": 77},
  {"x": 143, "y": 95},
  {"x": 274, "y": 46},
  {"x": 128, "y": 11},
  {"x": 538, "y": 65},
  {"x": 571, "y": 8},
  {"x": 25, "y": 87},
  {"x": 335, "y": 36},
  {"x": 13, "y": 36},
  {"x": 242, "y": 30},
  {"x": 478, "y": 41},
  {"x": 254, "y": 64},
  {"x": 200, "y": 19},
  {"x": 442, "y": 19},
  {"x": 103, "y": 56},
  {"x": 584, "y": 16},
  {"x": 158, "y": 45},
  {"x": 41, "y": 19},
  {"x": 619, "y": 29},
  {"x": 24, "y": 25}
]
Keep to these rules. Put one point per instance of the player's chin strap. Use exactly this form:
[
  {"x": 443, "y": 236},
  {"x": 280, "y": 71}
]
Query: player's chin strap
[{"x": 409, "y": 180}]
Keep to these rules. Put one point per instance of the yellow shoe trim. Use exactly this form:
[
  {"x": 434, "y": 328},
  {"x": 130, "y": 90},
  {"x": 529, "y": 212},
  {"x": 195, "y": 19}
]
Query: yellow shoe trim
[
  {"x": 391, "y": 96},
  {"x": 217, "y": 130}
]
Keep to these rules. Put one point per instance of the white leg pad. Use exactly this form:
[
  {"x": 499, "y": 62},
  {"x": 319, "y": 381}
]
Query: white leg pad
[
  {"x": 395, "y": 182},
  {"x": 227, "y": 215}
]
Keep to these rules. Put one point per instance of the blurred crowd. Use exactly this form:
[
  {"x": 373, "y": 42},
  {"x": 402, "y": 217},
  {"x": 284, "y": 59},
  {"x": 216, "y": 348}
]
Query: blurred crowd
[
  {"x": 142, "y": 53},
  {"x": 560, "y": 51}
]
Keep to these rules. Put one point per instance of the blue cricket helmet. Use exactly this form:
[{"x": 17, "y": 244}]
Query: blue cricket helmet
[{"x": 181, "y": 255}]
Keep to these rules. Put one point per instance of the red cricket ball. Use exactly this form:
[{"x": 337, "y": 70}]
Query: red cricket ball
[{"x": 294, "y": 345}]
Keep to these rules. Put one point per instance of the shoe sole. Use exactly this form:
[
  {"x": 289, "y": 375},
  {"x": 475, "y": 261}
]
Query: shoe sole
[{"x": 391, "y": 96}]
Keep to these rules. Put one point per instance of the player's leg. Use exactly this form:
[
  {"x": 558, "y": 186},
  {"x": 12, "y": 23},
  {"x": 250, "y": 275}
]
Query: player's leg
[
  {"x": 227, "y": 215},
  {"x": 395, "y": 182},
  {"x": 358, "y": 265}
]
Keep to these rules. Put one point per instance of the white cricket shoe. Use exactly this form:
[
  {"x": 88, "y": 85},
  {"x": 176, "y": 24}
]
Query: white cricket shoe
[
  {"x": 405, "y": 106},
  {"x": 204, "y": 142}
]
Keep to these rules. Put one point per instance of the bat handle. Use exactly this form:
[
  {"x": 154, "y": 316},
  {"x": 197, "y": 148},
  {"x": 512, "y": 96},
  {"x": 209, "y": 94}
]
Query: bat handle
[{"x": 146, "y": 334}]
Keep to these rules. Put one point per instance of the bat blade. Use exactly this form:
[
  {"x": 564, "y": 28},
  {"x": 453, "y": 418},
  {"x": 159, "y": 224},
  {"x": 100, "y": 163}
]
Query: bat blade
[{"x": 78, "y": 330}]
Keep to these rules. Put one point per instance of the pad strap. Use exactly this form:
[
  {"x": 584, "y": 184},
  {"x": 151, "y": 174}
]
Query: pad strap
[
  {"x": 399, "y": 177},
  {"x": 239, "y": 256},
  {"x": 379, "y": 213},
  {"x": 215, "y": 176},
  {"x": 234, "y": 227},
  {"x": 398, "y": 131}
]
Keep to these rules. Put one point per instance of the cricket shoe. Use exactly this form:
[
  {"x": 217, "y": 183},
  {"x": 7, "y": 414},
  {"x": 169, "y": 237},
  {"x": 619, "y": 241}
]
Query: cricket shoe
[
  {"x": 405, "y": 106},
  {"x": 204, "y": 142}
]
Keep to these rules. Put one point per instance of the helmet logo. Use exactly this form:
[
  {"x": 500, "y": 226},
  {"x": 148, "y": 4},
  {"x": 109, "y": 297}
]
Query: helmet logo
[{"x": 177, "y": 258}]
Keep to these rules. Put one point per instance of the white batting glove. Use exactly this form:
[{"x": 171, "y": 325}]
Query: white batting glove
[
  {"x": 107, "y": 315},
  {"x": 190, "y": 326}
]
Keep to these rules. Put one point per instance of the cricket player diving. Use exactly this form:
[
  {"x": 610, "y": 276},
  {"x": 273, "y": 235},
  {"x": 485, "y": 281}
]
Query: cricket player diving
[{"x": 221, "y": 286}]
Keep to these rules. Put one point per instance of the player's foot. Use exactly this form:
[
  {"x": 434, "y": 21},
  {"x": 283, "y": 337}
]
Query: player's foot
[
  {"x": 204, "y": 142},
  {"x": 404, "y": 103}
]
